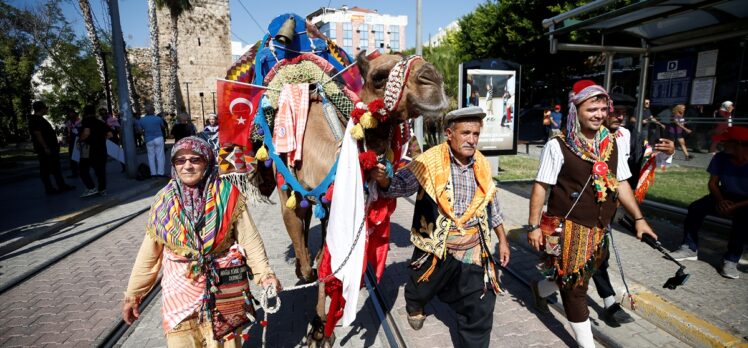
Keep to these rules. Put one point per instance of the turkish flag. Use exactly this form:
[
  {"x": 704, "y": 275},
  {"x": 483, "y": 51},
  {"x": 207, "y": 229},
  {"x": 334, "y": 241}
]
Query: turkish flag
[{"x": 237, "y": 106}]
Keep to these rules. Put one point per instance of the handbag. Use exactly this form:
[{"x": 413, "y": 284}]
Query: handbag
[
  {"x": 551, "y": 227},
  {"x": 230, "y": 302}
]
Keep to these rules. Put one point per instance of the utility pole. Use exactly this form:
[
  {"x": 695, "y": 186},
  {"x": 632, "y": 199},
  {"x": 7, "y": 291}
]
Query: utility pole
[
  {"x": 214, "y": 102},
  {"x": 418, "y": 122},
  {"x": 118, "y": 49},
  {"x": 189, "y": 109}
]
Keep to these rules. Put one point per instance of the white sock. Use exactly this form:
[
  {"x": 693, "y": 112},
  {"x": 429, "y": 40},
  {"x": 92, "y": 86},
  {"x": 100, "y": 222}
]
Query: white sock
[
  {"x": 609, "y": 301},
  {"x": 547, "y": 287},
  {"x": 583, "y": 333}
]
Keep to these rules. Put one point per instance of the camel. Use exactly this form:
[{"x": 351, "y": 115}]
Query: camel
[{"x": 423, "y": 95}]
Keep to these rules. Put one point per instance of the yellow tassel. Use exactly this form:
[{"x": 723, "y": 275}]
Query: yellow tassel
[
  {"x": 390, "y": 155},
  {"x": 368, "y": 121},
  {"x": 262, "y": 154},
  {"x": 291, "y": 202},
  {"x": 357, "y": 132}
]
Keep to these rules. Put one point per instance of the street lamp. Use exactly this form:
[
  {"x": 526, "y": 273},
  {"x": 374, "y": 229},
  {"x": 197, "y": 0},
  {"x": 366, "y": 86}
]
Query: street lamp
[
  {"x": 202, "y": 108},
  {"x": 214, "y": 102}
]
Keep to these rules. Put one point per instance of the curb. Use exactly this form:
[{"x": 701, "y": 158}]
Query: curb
[
  {"x": 667, "y": 316},
  {"x": 680, "y": 323},
  {"x": 63, "y": 221}
]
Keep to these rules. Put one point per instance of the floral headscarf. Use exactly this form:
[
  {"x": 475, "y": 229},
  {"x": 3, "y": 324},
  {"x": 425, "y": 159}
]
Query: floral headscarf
[{"x": 192, "y": 197}]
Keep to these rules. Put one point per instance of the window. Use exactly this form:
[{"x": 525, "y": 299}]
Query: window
[
  {"x": 332, "y": 31},
  {"x": 363, "y": 36},
  {"x": 394, "y": 37},
  {"x": 379, "y": 37},
  {"x": 348, "y": 37}
]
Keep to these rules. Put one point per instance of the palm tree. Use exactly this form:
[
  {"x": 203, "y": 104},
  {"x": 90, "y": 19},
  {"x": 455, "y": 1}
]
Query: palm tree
[
  {"x": 98, "y": 53},
  {"x": 155, "y": 58},
  {"x": 176, "y": 9}
]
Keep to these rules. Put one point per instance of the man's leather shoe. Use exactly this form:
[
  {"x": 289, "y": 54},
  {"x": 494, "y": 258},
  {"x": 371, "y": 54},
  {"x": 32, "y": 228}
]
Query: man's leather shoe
[
  {"x": 614, "y": 316},
  {"x": 416, "y": 321},
  {"x": 541, "y": 303}
]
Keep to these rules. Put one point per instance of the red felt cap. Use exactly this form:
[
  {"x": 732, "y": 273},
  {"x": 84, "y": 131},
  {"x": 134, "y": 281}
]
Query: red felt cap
[
  {"x": 557, "y": 107},
  {"x": 733, "y": 133},
  {"x": 582, "y": 84}
]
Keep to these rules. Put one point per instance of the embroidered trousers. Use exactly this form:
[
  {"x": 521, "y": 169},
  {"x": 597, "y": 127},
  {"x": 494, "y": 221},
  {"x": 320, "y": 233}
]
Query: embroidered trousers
[
  {"x": 460, "y": 285},
  {"x": 191, "y": 334}
]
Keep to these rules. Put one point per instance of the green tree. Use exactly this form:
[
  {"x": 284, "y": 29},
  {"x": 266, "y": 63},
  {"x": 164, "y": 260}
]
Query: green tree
[{"x": 19, "y": 56}]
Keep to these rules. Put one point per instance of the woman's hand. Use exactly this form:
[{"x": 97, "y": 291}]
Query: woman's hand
[
  {"x": 270, "y": 279},
  {"x": 130, "y": 309}
]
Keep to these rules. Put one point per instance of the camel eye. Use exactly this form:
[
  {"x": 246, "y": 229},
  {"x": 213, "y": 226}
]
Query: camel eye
[{"x": 380, "y": 79}]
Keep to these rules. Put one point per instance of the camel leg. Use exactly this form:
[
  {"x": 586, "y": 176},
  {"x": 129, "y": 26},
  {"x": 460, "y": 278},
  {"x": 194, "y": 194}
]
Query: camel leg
[{"x": 297, "y": 231}]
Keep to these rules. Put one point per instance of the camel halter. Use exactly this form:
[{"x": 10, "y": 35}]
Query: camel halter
[{"x": 393, "y": 92}]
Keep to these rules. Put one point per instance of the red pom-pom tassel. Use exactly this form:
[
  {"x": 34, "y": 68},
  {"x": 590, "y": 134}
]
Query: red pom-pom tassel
[
  {"x": 368, "y": 160},
  {"x": 377, "y": 109},
  {"x": 264, "y": 323},
  {"x": 356, "y": 114}
]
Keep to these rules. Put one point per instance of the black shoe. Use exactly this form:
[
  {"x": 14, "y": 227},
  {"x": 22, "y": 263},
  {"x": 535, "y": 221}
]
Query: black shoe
[
  {"x": 416, "y": 321},
  {"x": 541, "y": 303},
  {"x": 614, "y": 316}
]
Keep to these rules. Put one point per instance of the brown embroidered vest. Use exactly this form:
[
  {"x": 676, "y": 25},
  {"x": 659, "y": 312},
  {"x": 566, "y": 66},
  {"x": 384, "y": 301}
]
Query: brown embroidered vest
[{"x": 571, "y": 179}]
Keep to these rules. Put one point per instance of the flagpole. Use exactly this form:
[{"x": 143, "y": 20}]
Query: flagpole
[{"x": 250, "y": 85}]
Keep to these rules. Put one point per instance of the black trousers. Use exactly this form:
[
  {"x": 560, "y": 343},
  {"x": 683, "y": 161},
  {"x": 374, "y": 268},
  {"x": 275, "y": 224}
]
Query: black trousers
[
  {"x": 49, "y": 164},
  {"x": 602, "y": 279},
  {"x": 459, "y": 285},
  {"x": 99, "y": 167}
]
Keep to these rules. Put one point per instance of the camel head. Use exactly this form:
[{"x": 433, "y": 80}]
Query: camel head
[{"x": 423, "y": 92}]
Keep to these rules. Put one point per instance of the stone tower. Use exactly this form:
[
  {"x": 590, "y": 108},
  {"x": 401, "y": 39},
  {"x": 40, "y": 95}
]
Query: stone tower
[{"x": 204, "y": 53}]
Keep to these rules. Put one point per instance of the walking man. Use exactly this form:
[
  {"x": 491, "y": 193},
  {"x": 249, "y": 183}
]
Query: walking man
[
  {"x": 586, "y": 174},
  {"x": 152, "y": 127},
  {"x": 47, "y": 150},
  {"x": 455, "y": 211}
]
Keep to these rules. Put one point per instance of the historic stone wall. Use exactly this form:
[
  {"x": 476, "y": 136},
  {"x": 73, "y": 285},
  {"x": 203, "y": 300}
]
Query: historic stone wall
[{"x": 204, "y": 53}]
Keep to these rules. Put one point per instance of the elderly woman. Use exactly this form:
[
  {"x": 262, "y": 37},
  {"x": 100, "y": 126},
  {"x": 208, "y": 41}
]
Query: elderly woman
[
  {"x": 196, "y": 228},
  {"x": 212, "y": 125}
]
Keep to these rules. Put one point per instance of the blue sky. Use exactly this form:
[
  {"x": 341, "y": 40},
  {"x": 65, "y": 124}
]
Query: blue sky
[{"x": 134, "y": 15}]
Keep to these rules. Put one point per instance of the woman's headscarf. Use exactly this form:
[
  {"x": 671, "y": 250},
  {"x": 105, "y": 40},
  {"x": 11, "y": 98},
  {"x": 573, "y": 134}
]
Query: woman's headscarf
[
  {"x": 192, "y": 197},
  {"x": 599, "y": 151}
]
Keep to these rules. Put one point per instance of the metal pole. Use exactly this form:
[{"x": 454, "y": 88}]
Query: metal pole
[
  {"x": 202, "y": 108},
  {"x": 643, "y": 77},
  {"x": 418, "y": 122},
  {"x": 189, "y": 108},
  {"x": 126, "y": 118},
  {"x": 608, "y": 70},
  {"x": 214, "y": 102}
]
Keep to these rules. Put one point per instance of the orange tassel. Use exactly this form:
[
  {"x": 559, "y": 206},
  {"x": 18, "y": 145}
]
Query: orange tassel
[{"x": 426, "y": 275}]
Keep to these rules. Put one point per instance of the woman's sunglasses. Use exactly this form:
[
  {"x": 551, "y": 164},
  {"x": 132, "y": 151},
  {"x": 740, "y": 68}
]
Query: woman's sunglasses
[{"x": 194, "y": 160}]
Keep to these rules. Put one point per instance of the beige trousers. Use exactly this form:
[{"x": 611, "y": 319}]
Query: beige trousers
[{"x": 191, "y": 334}]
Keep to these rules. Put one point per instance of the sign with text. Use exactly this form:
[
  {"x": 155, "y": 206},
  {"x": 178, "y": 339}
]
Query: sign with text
[{"x": 671, "y": 81}]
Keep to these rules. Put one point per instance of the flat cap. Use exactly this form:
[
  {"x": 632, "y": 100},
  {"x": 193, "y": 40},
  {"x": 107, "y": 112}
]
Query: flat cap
[{"x": 463, "y": 113}]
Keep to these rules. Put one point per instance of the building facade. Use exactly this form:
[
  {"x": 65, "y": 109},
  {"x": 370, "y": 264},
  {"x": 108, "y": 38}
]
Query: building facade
[{"x": 356, "y": 29}]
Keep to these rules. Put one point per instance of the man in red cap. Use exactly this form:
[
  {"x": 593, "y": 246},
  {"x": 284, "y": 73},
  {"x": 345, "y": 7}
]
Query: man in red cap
[
  {"x": 728, "y": 197},
  {"x": 585, "y": 170},
  {"x": 556, "y": 117}
]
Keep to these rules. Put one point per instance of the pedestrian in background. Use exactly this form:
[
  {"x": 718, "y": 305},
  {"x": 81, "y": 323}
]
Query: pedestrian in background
[
  {"x": 93, "y": 155},
  {"x": 728, "y": 197},
  {"x": 47, "y": 150},
  {"x": 556, "y": 117},
  {"x": 72, "y": 128},
  {"x": 152, "y": 127},
  {"x": 184, "y": 128},
  {"x": 724, "y": 120},
  {"x": 678, "y": 130},
  {"x": 193, "y": 238}
]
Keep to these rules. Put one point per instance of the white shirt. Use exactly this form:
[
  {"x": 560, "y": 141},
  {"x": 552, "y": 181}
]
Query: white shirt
[{"x": 552, "y": 159}]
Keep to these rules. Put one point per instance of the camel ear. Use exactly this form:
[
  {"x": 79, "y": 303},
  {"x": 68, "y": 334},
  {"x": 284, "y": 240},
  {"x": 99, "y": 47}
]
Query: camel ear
[{"x": 362, "y": 61}]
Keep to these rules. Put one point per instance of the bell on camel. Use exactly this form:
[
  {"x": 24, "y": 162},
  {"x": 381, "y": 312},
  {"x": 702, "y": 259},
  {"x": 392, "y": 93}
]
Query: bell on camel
[{"x": 287, "y": 31}]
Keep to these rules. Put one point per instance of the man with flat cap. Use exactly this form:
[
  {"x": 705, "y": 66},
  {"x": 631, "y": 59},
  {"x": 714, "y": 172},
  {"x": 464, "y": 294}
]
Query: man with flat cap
[{"x": 456, "y": 208}]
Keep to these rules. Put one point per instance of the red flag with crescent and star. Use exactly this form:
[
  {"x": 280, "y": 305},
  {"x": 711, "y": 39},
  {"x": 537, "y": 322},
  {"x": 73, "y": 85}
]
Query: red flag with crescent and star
[{"x": 237, "y": 106}]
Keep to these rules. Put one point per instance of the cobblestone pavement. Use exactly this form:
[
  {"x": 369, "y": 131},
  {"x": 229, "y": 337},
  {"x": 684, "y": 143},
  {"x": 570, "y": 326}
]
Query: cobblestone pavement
[{"x": 75, "y": 302}]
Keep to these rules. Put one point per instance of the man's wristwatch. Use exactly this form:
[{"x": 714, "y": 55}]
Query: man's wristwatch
[{"x": 530, "y": 228}]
